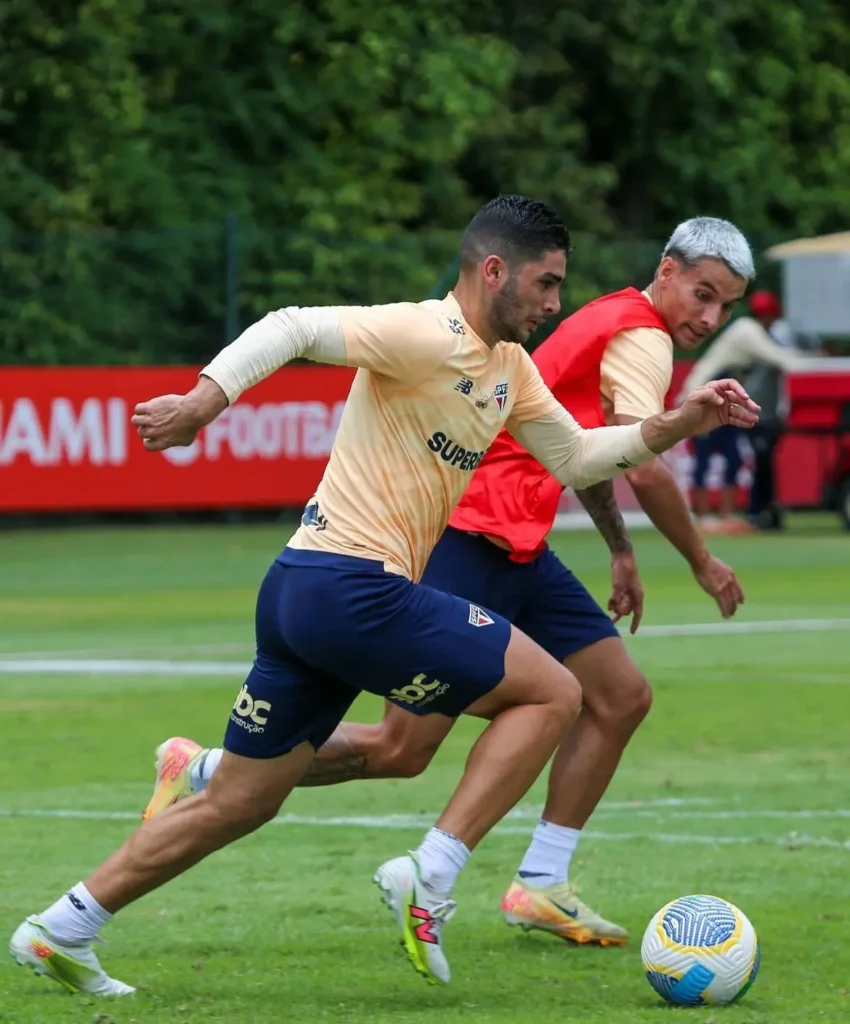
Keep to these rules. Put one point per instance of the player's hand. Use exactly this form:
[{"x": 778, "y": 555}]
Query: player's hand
[
  {"x": 174, "y": 421},
  {"x": 717, "y": 579},
  {"x": 165, "y": 422},
  {"x": 718, "y": 403},
  {"x": 626, "y": 590}
]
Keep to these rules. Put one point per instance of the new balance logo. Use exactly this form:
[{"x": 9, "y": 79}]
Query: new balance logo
[
  {"x": 478, "y": 617},
  {"x": 465, "y": 386},
  {"x": 456, "y": 325},
  {"x": 424, "y": 931},
  {"x": 76, "y": 902},
  {"x": 250, "y": 714},
  {"x": 420, "y": 692}
]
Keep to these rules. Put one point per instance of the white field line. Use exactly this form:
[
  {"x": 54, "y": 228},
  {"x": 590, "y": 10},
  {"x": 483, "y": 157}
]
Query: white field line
[
  {"x": 761, "y": 626},
  {"x": 236, "y": 670},
  {"x": 166, "y": 651},
  {"x": 578, "y": 519},
  {"x": 121, "y": 667},
  {"x": 410, "y": 822},
  {"x": 837, "y": 813},
  {"x": 666, "y": 809},
  {"x": 29, "y": 664}
]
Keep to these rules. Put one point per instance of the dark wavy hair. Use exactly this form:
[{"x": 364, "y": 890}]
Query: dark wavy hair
[{"x": 519, "y": 229}]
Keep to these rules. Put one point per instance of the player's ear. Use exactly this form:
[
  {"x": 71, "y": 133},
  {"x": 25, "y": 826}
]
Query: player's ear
[
  {"x": 666, "y": 270},
  {"x": 495, "y": 272}
]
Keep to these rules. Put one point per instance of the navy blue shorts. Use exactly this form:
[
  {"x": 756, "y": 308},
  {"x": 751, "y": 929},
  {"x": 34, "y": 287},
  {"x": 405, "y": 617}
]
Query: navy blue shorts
[
  {"x": 330, "y": 626},
  {"x": 542, "y": 598},
  {"x": 720, "y": 441}
]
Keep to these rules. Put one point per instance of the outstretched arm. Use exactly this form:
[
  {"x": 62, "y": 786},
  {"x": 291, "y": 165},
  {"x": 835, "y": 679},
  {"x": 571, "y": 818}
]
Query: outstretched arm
[
  {"x": 401, "y": 341},
  {"x": 578, "y": 458}
]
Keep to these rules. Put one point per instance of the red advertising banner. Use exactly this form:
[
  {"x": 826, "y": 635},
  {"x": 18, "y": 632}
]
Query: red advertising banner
[{"x": 66, "y": 442}]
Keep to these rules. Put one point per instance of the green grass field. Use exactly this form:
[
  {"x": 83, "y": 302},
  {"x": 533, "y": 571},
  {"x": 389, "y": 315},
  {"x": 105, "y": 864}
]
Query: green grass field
[{"x": 738, "y": 785}]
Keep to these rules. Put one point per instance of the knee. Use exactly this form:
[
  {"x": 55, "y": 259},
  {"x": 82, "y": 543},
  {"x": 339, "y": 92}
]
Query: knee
[
  {"x": 619, "y": 709},
  {"x": 565, "y": 700}
]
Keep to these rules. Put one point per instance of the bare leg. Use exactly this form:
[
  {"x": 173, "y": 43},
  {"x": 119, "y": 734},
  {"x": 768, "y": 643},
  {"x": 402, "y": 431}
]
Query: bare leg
[
  {"x": 243, "y": 794},
  {"x": 400, "y": 746},
  {"x": 699, "y": 499},
  {"x": 616, "y": 699},
  {"x": 727, "y": 502},
  {"x": 531, "y": 709}
]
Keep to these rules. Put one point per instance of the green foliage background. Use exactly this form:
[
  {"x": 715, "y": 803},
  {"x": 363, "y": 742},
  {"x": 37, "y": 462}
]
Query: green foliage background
[{"x": 171, "y": 171}]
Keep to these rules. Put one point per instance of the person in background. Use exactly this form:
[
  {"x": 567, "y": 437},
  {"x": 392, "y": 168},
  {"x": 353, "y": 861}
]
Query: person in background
[
  {"x": 724, "y": 443},
  {"x": 757, "y": 350}
]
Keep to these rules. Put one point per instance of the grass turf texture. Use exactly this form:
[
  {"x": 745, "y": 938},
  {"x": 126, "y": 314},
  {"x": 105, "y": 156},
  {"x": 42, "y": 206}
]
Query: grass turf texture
[{"x": 736, "y": 785}]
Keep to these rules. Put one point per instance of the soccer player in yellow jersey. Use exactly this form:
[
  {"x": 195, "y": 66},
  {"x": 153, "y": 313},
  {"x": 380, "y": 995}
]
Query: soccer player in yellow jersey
[{"x": 341, "y": 609}]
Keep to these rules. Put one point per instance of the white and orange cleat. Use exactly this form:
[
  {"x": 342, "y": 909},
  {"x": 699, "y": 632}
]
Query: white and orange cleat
[
  {"x": 73, "y": 965},
  {"x": 558, "y": 910},
  {"x": 174, "y": 761}
]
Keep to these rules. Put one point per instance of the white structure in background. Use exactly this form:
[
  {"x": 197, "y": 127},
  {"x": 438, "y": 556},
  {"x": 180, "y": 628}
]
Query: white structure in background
[{"x": 816, "y": 283}]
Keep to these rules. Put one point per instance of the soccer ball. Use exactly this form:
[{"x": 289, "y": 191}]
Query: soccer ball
[{"x": 699, "y": 950}]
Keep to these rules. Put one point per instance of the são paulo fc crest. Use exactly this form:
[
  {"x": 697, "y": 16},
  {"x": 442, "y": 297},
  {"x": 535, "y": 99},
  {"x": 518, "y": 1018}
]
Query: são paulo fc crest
[
  {"x": 478, "y": 617},
  {"x": 500, "y": 394}
]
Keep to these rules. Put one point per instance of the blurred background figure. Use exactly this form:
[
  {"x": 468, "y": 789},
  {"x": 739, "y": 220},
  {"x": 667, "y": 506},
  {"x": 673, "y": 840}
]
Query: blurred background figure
[
  {"x": 766, "y": 380},
  {"x": 722, "y": 442},
  {"x": 757, "y": 350}
]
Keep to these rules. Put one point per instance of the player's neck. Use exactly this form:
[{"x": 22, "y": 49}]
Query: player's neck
[
  {"x": 473, "y": 312},
  {"x": 652, "y": 292},
  {"x": 655, "y": 297}
]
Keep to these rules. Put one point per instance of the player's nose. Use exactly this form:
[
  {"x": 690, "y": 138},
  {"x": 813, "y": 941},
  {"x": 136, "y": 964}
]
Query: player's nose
[{"x": 711, "y": 316}]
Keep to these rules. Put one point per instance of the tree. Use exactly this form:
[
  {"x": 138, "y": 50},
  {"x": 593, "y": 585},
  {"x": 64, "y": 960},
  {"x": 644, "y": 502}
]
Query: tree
[{"x": 350, "y": 142}]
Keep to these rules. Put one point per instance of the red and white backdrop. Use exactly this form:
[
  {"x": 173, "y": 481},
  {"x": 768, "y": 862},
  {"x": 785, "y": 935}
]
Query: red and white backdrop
[{"x": 66, "y": 444}]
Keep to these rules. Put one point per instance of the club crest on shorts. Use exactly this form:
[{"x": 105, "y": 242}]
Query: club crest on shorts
[
  {"x": 478, "y": 617},
  {"x": 500, "y": 395}
]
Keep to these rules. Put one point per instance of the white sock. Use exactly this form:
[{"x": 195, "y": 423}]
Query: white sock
[
  {"x": 547, "y": 859},
  {"x": 203, "y": 768},
  {"x": 76, "y": 917},
  {"x": 441, "y": 857}
]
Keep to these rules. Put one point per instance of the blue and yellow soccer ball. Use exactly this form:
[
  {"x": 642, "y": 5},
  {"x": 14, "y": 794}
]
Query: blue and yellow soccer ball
[{"x": 700, "y": 950}]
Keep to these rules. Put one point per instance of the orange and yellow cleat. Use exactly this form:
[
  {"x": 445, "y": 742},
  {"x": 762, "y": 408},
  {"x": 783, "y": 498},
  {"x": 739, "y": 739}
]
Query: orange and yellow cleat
[
  {"x": 174, "y": 760},
  {"x": 558, "y": 910}
]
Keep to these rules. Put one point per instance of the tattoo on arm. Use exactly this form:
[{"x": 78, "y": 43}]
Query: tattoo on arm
[{"x": 602, "y": 508}]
